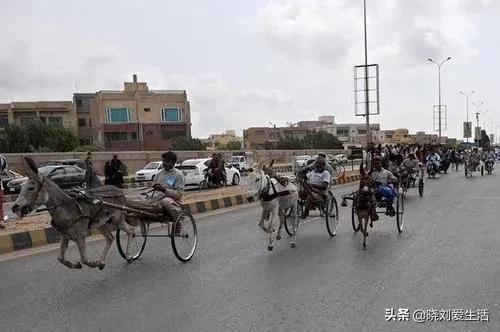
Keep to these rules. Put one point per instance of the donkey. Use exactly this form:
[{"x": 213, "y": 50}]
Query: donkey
[
  {"x": 71, "y": 217},
  {"x": 276, "y": 199},
  {"x": 364, "y": 203}
]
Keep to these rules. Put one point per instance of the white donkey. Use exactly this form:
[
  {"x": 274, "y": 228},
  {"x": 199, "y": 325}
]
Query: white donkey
[{"x": 276, "y": 200}]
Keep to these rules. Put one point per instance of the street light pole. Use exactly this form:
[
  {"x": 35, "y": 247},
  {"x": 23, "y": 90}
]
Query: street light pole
[
  {"x": 439, "y": 79},
  {"x": 467, "y": 95},
  {"x": 477, "y": 119},
  {"x": 367, "y": 96}
]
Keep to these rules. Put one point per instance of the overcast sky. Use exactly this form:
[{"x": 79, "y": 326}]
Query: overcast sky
[{"x": 244, "y": 63}]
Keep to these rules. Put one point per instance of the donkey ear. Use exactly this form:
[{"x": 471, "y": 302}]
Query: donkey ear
[
  {"x": 271, "y": 164},
  {"x": 362, "y": 170},
  {"x": 259, "y": 166},
  {"x": 32, "y": 170}
]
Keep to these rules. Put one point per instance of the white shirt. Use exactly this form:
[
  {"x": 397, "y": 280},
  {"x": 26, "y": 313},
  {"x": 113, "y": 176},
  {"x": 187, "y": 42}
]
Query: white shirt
[{"x": 318, "y": 178}]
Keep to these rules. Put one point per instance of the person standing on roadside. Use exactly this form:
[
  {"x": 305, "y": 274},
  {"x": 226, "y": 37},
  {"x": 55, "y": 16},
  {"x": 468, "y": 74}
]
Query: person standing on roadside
[
  {"x": 3, "y": 168},
  {"x": 91, "y": 179},
  {"x": 117, "y": 172}
]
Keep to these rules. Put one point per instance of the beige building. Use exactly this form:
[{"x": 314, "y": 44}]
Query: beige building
[
  {"x": 215, "y": 141},
  {"x": 396, "y": 136},
  {"x": 257, "y": 138},
  {"x": 46, "y": 111},
  {"x": 351, "y": 134},
  {"x": 422, "y": 138},
  {"x": 138, "y": 118}
]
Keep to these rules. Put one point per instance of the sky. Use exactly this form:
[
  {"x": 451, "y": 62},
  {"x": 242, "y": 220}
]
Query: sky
[{"x": 251, "y": 63}]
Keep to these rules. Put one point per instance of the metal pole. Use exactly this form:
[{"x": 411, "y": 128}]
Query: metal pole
[
  {"x": 439, "y": 112},
  {"x": 367, "y": 96}
]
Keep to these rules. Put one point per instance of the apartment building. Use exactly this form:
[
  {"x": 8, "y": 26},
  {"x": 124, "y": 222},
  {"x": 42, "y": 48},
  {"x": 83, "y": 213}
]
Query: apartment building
[
  {"x": 351, "y": 134},
  {"x": 61, "y": 112},
  {"x": 138, "y": 118},
  {"x": 256, "y": 138},
  {"x": 215, "y": 141},
  {"x": 396, "y": 136}
]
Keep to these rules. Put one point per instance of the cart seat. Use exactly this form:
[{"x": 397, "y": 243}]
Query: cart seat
[{"x": 144, "y": 206}]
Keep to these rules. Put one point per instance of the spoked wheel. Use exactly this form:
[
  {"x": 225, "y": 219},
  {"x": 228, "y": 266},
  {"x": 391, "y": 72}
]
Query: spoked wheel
[
  {"x": 137, "y": 244},
  {"x": 288, "y": 225},
  {"x": 338, "y": 170},
  {"x": 354, "y": 220},
  {"x": 421, "y": 187},
  {"x": 400, "y": 210},
  {"x": 332, "y": 215},
  {"x": 184, "y": 236}
]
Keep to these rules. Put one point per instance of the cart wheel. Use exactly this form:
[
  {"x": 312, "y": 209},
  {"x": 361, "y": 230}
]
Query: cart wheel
[
  {"x": 354, "y": 219},
  {"x": 482, "y": 170},
  {"x": 421, "y": 187},
  {"x": 332, "y": 216},
  {"x": 184, "y": 236},
  {"x": 400, "y": 210},
  {"x": 137, "y": 244},
  {"x": 288, "y": 228}
]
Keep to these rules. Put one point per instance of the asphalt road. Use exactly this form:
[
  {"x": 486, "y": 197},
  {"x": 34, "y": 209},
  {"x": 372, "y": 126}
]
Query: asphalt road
[{"x": 446, "y": 258}]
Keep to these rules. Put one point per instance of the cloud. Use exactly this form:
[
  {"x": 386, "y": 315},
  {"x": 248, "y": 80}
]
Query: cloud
[{"x": 329, "y": 32}]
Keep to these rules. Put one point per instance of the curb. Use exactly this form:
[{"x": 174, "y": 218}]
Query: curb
[{"x": 40, "y": 237}]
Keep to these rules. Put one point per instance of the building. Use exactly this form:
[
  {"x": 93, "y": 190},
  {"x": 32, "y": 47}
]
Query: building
[
  {"x": 48, "y": 112},
  {"x": 422, "y": 138},
  {"x": 215, "y": 141},
  {"x": 322, "y": 121},
  {"x": 351, "y": 134},
  {"x": 83, "y": 103},
  {"x": 396, "y": 136},
  {"x": 258, "y": 138},
  {"x": 137, "y": 118}
]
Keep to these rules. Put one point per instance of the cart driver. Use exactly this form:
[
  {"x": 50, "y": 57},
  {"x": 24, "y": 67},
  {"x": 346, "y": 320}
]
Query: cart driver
[{"x": 170, "y": 182}]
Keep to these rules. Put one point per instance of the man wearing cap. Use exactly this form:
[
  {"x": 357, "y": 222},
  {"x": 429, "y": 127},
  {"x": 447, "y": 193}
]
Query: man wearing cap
[{"x": 385, "y": 188}]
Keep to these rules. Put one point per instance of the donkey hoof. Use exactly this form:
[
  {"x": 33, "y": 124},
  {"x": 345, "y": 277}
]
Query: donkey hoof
[
  {"x": 130, "y": 260},
  {"x": 364, "y": 246},
  {"x": 371, "y": 225},
  {"x": 293, "y": 245},
  {"x": 78, "y": 265},
  {"x": 278, "y": 237},
  {"x": 269, "y": 248},
  {"x": 101, "y": 266}
]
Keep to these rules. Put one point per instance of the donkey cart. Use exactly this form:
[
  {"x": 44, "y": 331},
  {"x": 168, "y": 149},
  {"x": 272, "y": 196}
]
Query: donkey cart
[{"x": 139, "y": 215}]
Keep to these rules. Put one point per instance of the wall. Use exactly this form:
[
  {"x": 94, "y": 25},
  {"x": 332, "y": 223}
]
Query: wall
[{"x": 135, "y": 160}]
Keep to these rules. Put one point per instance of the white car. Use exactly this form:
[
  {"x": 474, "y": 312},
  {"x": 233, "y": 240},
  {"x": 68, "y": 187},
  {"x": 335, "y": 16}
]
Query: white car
[
  {"x": 301, "y": 161},
  {"x": 193, "y": 171},
  {"x": 340, "y": 158},
  {"x": 149, "y": 172}
]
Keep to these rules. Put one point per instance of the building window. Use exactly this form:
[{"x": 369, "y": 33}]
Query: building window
[
  {"x": 116, "y": 136},
  {"x": 118, "y": 115},
  {"x": 55, "y": 120},
  {"x": 26, "y": 120},
  {"x": 81, "y": 123},
  {"x": 134, "y": 136},
  {"x": 147, "y": 109},
  {"x": 79, "y": 103},
  {"x": 90, "y": 122},
  {"x": 4, "y": 120},
  {"x": 171, "y": 114}
]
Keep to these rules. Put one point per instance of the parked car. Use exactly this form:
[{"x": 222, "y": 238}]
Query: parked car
[
  {"x": 193, "y": 171},
  {"x": 340, "y": 158},
  {"x": 65, "y": 176},
  {"x": 7, "y": 176},
  {"x": 240, "y": 162},
  {"x": 149, "y": 171},
  {"x": 301, "y": 161},
  {"x": 72, "y": 162}
]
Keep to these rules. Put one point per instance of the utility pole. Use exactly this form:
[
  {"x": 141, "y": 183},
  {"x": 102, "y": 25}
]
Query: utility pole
[
  {"x": 467, "y": 95},
  {"x": 439, "y": 91},
  {"x": 367, "y": 92}
]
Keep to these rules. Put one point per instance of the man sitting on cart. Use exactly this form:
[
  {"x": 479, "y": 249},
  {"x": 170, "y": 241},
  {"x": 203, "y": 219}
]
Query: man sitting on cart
[
  {"x": 318, "y": 182},
  {"x": 170, "y": 183},
  {"x": 410, "y": 164},
  {"x": 385, "y": 190}
]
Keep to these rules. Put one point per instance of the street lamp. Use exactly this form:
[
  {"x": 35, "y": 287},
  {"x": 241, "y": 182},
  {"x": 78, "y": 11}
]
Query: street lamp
[
  {"x": 439, "y": 79},
  {"x": 467, "y": 95},
  {"x": 477, "y": 119}
]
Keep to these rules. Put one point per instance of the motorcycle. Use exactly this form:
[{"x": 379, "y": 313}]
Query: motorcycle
[
  {"x": 431, "y": 169},
  {"x": 488, "y": 166},
  {"x": 445, "y": 164}
]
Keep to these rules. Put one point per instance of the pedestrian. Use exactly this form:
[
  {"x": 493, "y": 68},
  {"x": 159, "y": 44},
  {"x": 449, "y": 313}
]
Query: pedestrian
[
  {"x": 117, "y": 172},
  {"x": 108, "y": 173},
  {"x": 91, "y": 178},
  {"x": 3, "y": 168}
]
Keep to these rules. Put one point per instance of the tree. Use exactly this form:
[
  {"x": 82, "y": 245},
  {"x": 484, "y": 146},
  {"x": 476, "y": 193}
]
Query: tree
[
  {"x": 291, "y": 143},
  {"x": 313, "y": 140},
  {"x": 36, "y": 137},
  {"x": 231, "y": 145},
  {"x": 187, "y": 144}
]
